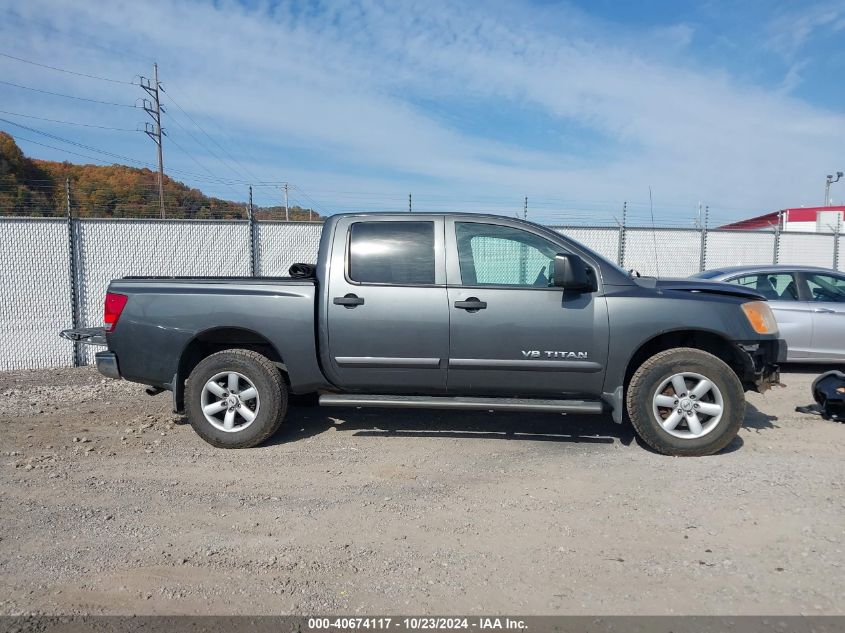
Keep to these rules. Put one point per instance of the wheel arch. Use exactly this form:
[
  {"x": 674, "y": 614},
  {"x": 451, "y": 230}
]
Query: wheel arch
[
  {"x": 704, "y": 340},
  {"x": 214, "y": 340}
]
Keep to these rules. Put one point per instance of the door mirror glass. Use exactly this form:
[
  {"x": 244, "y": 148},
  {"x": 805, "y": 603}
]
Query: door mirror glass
[{"x": 571, "y": 273}]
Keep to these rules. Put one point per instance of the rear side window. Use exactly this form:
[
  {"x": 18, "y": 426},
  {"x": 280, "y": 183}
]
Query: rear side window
[{"x": 392, "y": 252}]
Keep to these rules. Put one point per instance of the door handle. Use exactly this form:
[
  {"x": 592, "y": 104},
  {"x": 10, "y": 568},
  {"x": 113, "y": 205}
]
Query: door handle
[
  {"x": 472, "y": 304},
  {"x": 348, "y": 301},
  {"x": 823, "y": 310}
]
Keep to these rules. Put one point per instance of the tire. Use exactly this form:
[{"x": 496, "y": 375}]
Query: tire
[
  {"x": 691, "y": 424},
  {"x": 209, "y": 386}
]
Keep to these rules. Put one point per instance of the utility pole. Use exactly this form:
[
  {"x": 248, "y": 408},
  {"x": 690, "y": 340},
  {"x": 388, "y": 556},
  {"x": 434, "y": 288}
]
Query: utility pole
[
  {"x": 410, "y": 206},
  {"x": 525, "y": 209},
  {"x": 287, "y": 208},
  {"x": 153, "y": 108},
  {"x": 829, "y": 181}
]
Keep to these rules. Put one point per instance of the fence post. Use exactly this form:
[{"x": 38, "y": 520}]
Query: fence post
[
  {"x": 777, "y": 242},
  {"x": 74, "y": 293},
  {"x": 252, "y": 250},
  {"x": 621, "y": 254},
  {"x": 836, "y": 243},
  {"x": 702, "y": 263}
]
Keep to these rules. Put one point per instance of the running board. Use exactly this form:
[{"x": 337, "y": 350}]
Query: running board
[{"x": 463, "y": 403}]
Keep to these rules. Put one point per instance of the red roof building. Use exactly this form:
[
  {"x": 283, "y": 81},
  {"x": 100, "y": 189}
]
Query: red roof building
[{"x": 810, "y": 219}]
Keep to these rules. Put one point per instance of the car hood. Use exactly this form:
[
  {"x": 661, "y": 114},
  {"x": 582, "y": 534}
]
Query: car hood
[{"x": 697, "y": 285}]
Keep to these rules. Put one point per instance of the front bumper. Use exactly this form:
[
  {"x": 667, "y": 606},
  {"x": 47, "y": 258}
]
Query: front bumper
[
  {"x": 107, "y": 364},
  {"x": 761, "y": 360}
]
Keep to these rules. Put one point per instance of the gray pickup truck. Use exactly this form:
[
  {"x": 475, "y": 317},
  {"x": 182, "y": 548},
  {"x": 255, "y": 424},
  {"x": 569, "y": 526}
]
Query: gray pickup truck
[{"x": 448, "y": 311}]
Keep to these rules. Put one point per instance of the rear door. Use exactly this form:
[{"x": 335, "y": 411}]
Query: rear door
[
  {"x": 794, "y": 315},
  {"x": 512, "y": 334},
  {"x": 827, "y": 300},
  {"x": 387, "y": 317}
]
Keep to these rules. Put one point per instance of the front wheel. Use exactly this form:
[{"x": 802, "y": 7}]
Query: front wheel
[
  {"x": 235, "y": 398},
  {"x": 685, "y": 401}
]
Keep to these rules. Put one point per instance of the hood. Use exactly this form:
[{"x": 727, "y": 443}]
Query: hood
[{"x": 700, "y": 285}]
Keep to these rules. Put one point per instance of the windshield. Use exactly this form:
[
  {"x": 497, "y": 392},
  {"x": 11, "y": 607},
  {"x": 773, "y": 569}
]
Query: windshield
[{"x": 708, "y": 274}]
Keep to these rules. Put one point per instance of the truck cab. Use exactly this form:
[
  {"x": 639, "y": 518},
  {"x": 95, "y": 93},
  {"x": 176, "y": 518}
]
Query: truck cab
[{"x": 463, "y": 305}]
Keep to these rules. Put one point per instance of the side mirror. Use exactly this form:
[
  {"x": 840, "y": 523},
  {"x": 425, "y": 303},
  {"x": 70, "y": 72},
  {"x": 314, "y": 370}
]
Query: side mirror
[{"x": 571, "y": 273}]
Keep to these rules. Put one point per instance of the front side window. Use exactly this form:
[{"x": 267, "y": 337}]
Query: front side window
[
  {"x": 773, "y": 286},
  {"x": 400, "y": 253},
  {"x": 826, "y": 287},
  {"x": 490, "y": 254}
]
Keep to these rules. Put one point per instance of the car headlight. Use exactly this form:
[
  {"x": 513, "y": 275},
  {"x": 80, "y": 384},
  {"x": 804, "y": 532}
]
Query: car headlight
[{"x": 761, "y": 317}]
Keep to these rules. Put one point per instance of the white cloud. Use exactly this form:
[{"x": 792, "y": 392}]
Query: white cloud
[
  {"x": 344, "y": 84},
  {"x": 790, "y": 31}
]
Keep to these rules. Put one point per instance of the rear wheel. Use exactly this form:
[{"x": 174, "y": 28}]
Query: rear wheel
[
  {"x": 685, "y": 401},
  {"x": 235, "y": 398}
]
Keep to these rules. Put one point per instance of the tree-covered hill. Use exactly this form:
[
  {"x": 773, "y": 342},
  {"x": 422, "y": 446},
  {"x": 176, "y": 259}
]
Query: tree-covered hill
[{"x": 33, "y": 187}]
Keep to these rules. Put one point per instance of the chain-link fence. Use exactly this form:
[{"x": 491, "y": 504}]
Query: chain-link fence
[
  {"x": 280, "y": 244},
  {"x": 838, "y": 255},
  {"x": 35, "y": 293},
  {"x": 54, "y": 272},
  {"x": 109, "y": 249}
]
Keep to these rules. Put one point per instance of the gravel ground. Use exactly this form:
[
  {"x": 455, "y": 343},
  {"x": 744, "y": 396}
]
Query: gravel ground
[{"x": 110, "y": 504}]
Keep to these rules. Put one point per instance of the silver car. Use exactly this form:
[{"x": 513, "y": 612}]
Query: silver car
[{"x": 808, "y": 302}]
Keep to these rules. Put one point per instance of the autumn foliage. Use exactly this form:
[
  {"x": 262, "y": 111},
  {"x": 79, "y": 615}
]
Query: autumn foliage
[{"x": 32, "y": 187}]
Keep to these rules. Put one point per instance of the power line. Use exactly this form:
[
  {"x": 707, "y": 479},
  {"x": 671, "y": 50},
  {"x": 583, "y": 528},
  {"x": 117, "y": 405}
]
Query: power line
[
  {"x": 193, "y": 158},
  {"x": 189, "y": 155},
  {"x": 199, "y": 142},
  {"x": 82, "y": 145},
  {"x": 313, "y": 202},
  {"x": 59, "y": 94},
  {"x": 213, "y": 179},
  {"x": 61, "y": 149},
  {"x": 245, "y": 171},
  {"x": 63, "y": 70},
  {"x": 40, "y": 118}
]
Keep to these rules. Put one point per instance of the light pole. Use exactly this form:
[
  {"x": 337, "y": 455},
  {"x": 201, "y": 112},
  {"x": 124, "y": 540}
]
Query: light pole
[{"x": 827, "y": 184}]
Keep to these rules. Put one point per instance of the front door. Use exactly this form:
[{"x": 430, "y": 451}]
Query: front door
[
  {"x": 827, "y": 300},
  {"x": 388, "y": 323},
  {"x": 511, "y": 333}
]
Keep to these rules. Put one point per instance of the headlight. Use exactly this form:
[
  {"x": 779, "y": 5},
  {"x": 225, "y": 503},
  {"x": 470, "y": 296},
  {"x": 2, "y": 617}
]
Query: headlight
[{"x": 761, "y": 317}]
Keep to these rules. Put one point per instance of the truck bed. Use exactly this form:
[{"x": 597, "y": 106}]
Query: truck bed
[{"x": 165, "y": 316}]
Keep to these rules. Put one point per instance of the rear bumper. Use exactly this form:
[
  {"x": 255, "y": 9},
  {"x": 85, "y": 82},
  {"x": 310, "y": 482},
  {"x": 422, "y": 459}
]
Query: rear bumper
[
  {"x": 761, "y": 363},
  {"x": 107, "y": 364},
  {"x": 86, "y": 335}
]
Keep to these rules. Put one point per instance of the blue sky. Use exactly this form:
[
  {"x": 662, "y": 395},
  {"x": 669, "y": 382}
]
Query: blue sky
[{"x": 471, "y": 106}]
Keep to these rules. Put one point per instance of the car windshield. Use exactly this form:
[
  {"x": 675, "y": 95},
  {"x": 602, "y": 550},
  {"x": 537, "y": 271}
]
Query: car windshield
[{"x": 708, "y": 274}]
